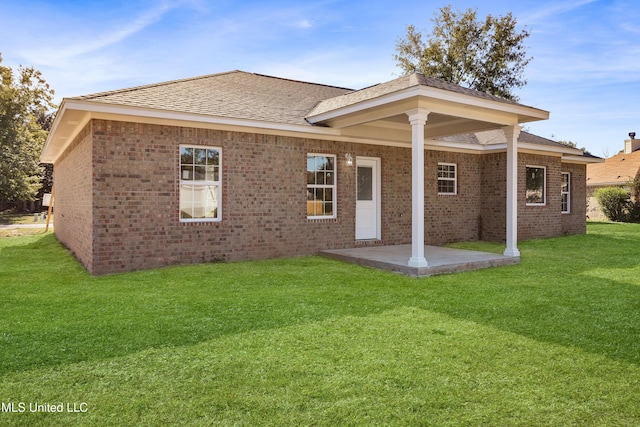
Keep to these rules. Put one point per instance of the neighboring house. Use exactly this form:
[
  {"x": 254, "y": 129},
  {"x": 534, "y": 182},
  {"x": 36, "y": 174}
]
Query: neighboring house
[
  {"x": 616, "y": 171},
  {"x": 239, "y": 166}
]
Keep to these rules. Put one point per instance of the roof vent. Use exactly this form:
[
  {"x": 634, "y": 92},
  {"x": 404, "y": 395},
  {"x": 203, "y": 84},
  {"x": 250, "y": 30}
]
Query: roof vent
[{"x": 632, "y": 135}]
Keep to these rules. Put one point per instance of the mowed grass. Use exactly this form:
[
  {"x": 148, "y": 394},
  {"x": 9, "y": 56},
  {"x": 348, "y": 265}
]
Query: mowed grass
[{"x": 554, "y": 340}]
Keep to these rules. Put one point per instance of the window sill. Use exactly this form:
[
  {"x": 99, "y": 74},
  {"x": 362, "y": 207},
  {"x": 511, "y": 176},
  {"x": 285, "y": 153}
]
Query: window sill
[{"x": 322, "y": 219}]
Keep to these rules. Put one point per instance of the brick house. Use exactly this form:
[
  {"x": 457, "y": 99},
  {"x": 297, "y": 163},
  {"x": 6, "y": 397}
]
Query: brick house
[
  {"x": 240, "y": 166},
  {"x": 616, "y": 171}
]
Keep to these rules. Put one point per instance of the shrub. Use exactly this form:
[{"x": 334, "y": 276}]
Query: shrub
[{"x": 615, "y": 202}]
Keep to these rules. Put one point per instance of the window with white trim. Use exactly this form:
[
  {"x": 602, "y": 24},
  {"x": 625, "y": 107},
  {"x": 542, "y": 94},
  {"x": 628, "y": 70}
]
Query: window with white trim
[
  {"x": 200, "y": 190},
  {"x": 447, "y": 178},
  {"x": 565, "y": 192},
  {"x": 321, "y": 186},
  {"x": 536, "y": 193}
]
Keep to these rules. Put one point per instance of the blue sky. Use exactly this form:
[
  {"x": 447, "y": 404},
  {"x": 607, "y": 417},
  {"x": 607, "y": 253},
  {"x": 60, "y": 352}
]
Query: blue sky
[{"x": 585, "y": 68}]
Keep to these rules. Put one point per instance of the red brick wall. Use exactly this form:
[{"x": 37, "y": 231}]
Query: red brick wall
[
  {"x": 452, "y": 218},
  {"x": 73, "y": 192},
  {"x": 134, "y": 194},
  {"x": 540, "y": 221},
  {"x": 575, "y": 221},
  {"x": 493, "y": 187},
  {"x": 135, "y": 210},
  {"x": 263, "y": 198},
  {"x": 533, "y": 221}
]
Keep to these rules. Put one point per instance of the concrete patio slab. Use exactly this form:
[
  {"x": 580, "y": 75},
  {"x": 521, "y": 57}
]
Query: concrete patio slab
[{"x": 440, "y": 260}]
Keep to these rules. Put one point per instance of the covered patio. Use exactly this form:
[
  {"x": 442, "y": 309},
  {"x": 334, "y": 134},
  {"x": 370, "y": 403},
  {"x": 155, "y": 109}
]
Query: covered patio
[
  {"x": 410, "y": 111},
  {"x": 442, "y": 260}
]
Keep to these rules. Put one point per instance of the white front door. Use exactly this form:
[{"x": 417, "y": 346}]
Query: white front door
[{"x": 367, "y": 198}]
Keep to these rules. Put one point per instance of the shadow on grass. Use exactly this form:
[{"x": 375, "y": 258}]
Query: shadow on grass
[
  {"x": 55, "y": 313},
  {"x": 8, "y": 219},
  {"x": 12, "y": 218}
]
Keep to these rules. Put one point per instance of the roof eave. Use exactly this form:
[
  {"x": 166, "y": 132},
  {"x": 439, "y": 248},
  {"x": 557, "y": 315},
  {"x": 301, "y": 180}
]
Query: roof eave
[
  {"x": 566, "y": 151},
  {"x": 74, "y": 114},
  {"x": 524, "y": 113},
  {"x": 583, "y": 160},
  {"x": 47, "y": 156}
]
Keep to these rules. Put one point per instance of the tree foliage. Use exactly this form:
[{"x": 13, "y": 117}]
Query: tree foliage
[
  {"x": 25, "y": 112},
  {"x": 572, "y": 145},
  {"x": 488, "y": 56},
  {"x": 615, "y": 203}
]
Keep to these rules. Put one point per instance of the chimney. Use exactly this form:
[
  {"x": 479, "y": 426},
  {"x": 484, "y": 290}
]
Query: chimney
[{"x": 632, "y": 144}]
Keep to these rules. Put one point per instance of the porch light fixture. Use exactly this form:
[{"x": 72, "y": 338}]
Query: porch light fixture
[{"x": 349, "y": 158}]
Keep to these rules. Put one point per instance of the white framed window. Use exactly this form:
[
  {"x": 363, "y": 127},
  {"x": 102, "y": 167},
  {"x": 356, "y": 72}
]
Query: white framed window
[
  {"x": 321, "y": 186},
  {"x": 447, "y": 178},
  {"x": 200, "y": 189},
  {"x": 565, "y": 192},
  {"x": 536, "y": 193}
]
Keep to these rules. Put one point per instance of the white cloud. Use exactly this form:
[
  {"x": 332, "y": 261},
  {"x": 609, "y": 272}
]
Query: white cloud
[
  {"x": 552, "y": 9},
  {"x": 303, "y": 23},
  {"x": 92, "y": 40}
]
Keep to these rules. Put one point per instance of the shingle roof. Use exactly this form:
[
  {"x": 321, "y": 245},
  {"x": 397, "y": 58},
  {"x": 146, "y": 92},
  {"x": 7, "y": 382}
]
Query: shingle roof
[
  {"x": 404, "y": 82},
  {"x": 242, "y": 95},
  {"x": 235, "y": 94},
  {"x": 618, "y": 169},
  {"x": 497, "y": 137}
]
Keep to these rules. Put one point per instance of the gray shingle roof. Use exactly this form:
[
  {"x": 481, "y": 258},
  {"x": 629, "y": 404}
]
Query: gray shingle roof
[
  {"x": 497, "y": 137},
  {"x": 243, "y": 95},
  {"x": 235, "y": 94},
  {"x": 404, "y": 82}
]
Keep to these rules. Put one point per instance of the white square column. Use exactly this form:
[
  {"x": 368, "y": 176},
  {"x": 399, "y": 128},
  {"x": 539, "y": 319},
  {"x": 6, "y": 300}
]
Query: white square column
[
  {"x": 418, "y": 119},
  {"x": 512, "y": 133}
]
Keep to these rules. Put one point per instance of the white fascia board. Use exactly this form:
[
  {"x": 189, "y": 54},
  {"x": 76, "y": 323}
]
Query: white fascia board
[
  {"x": 581, "y": 160},
  {"x": 549, "y": 148},
  {"x": 97, "y": 110},
  {"x": 401, "y": 95},
  {"x": 96, "y": 107},
  {"x": 473, "y": 101},
  {"x": 57, "y": 142},
  {"x": 431, "y": 93},
  {"x": 522, "y": 147},
  {"x": 463, "y": 146}
]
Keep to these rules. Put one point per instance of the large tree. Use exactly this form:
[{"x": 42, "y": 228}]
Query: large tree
[
  {"x": 488, "y": 56},
  {"x": 25, "y": 109}
]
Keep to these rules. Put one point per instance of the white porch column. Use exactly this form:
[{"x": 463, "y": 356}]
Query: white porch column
[
  {"x": 418, "y": 119},
  {"x": 512, "y": 133}
]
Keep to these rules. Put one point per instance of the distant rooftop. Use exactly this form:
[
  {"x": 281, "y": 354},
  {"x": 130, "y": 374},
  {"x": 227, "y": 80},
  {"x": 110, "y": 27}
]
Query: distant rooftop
[{"x": 616, "y": 170}]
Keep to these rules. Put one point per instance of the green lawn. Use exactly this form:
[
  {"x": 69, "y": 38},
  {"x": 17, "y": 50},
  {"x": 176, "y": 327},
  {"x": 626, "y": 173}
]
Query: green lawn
[{"x": 554, "y": 340}]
